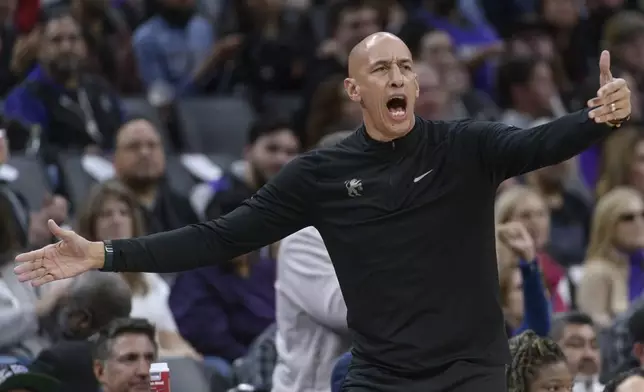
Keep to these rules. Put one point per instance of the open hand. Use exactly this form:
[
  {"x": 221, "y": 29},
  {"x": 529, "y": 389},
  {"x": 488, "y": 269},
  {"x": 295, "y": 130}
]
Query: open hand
[
  {"x": 613, "y": 102},
  {"x": 69, "y": 257},
  {"x": 516, "y": 237}
]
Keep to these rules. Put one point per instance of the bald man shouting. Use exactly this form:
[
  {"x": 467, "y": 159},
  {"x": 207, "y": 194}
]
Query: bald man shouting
[{"x": 405, "y": 207}]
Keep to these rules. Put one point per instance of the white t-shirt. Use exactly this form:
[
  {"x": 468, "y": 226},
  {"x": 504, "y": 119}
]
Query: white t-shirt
[{"x": 154, "y": 305}]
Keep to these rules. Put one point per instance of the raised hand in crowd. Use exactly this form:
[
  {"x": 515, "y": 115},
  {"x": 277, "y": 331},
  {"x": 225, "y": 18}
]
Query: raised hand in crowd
[
  {"x": 515, "y": 236},
  {"x": 613, "y": 101}
]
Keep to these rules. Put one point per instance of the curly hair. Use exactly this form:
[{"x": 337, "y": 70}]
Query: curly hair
[{"x": 530, "y": 353}]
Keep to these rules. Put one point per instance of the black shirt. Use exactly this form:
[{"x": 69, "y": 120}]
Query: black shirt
[{"x": 409, "y": 225}]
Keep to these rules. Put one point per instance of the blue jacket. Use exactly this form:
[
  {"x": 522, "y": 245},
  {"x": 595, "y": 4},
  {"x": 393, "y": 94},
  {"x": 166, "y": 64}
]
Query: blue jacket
[{"x": 219, "y": 312}]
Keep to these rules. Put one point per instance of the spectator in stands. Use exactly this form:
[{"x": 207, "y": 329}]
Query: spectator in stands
[
  {"x": 72, "y": 110},
  {"x": 433, "y": 98},
  {"x": 92, "y": 301},
  {"x": 123, "y": 353},
  {"x": 522, "y": 204},
  {"x": 567, "y": 31},
  {"x": 177, "y": 52},
  {"x": 278, "y": 40},
  {"x": 311, "y": 319},
  {"x": 537, "y": 364},
  {"x": 523, "y": 297},
  {"x": 332, "y": 111},
  {"x": 624, "y": 36},
  {"x": 8, "y": 36},
  {"x": 613, "y": 268},
  {"x": 108, "y": 38},
  {"x": 436, "y": 49},
  {"x": 576, "y": 334},
  {"x": 622, "y": 162},
  {"x": 221, "y": 309},
  {"x": 525, "y": 90},
  {"x": 28, "y": 18},
  {"x": 569, "y": 213},
  {"x": 22, "y": 310},
  {"x": 112, "y": 213},
  {"x": 630, "y": 381},
  {"x": 272, "y": 143},
  {"x": 476, "y": 43},
  {"x": 17, "y": 378},
  {"x": 139, "y": 162},
  {"x": 348, "y": 23}
]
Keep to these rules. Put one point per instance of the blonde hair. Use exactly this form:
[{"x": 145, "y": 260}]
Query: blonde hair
[
  {"x": 617, "y": 158},
  {"x": 504, "y": 208},
  {"x": 602, "y": 256},
  {"x": 605, "y": 218}
]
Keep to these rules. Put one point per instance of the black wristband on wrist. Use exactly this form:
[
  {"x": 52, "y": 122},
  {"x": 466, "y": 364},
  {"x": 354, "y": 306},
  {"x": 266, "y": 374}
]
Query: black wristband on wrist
[{"x": 109, "y": 256}]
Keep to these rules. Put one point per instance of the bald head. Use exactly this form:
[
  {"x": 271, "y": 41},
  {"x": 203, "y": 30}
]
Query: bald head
[
  {"x": 632, "y": 384},
  {"x": 359, "y": 55}
]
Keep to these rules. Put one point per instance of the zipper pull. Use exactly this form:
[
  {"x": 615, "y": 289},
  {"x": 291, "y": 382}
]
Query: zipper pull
[{"x": 393, "y": 145}]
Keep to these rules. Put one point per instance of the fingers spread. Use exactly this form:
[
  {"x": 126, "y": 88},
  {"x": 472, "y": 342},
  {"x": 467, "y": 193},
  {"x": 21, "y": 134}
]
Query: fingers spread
[
  {"x": 32, "y": 275},
  {"x": 30, "y": 256}
]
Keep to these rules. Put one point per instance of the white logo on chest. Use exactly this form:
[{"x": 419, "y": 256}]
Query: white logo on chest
[{"x": 354, "y": 187}]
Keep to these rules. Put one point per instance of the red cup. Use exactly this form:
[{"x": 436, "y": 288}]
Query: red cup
[{"x": 159, "y": 377}]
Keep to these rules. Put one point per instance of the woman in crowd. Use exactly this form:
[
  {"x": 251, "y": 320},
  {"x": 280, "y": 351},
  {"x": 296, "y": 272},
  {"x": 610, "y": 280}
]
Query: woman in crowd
[
  {"x": 613, "y": 273},
  {"x": 538, "y": 364},
  {"x": 523, "y": 297},
  {"x": 113, "y": 213},
  {"x": 522, "y": 204},
  {"x": 622, "y": 162}
]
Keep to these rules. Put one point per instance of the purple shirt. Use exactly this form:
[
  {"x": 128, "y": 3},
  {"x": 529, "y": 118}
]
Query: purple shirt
[{"x": 636, "y": 276}]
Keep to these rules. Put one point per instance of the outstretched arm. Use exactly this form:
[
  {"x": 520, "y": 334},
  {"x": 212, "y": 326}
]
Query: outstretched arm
[
  {"x": 278, "y": 209},
  {"x": 505, "y": 151}
]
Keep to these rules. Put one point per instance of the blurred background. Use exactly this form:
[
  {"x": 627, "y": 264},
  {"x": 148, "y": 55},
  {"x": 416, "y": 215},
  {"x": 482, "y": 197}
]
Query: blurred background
[{"x": 127, "y": 117}]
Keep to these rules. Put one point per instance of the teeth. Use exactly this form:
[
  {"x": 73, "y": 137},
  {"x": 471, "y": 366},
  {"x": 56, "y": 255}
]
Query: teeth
[{"x": 397, "y": 113}]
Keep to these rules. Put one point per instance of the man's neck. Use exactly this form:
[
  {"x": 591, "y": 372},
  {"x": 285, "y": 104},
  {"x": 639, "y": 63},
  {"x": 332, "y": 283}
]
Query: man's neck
[
  {"x": 70, "y": 83},
  {"x": 378, "y": 135}
]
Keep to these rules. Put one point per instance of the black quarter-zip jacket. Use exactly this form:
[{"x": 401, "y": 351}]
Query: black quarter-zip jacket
[{"x": 409, "y": 225}]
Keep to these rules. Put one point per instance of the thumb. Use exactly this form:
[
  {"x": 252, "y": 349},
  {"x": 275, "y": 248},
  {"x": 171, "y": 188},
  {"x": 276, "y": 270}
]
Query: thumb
[
  {"x": 65, "y": 235},
  {"x": 605, "y": 75}
]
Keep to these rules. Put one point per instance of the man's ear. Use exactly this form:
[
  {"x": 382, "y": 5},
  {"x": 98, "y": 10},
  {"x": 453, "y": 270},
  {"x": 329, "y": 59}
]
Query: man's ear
[
  {"x": 99, "y": 370},
  {"x": 638, "y": 350},
  {"x": 417, "y": 85},
  {"x": 352, "y": 89}
]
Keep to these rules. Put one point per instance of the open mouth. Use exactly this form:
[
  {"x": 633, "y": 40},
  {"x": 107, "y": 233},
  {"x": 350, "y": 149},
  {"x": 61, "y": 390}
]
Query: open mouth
[{"x": 397, "y": 106}]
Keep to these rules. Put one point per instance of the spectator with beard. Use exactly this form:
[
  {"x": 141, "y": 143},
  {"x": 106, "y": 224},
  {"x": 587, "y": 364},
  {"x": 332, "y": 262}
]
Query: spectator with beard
[
  {"x": 576, "y": 334},
  {"x": 221, "y": 309},
  {"x": 92, "y": 301},
  {"x": 139, "y": 162},
  {"x": 176, "y": 50},
  {"x": 73, "y": 110}
]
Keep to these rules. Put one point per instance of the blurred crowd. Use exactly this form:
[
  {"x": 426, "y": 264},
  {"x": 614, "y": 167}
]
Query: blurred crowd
[{"x": 122, "y": 118}]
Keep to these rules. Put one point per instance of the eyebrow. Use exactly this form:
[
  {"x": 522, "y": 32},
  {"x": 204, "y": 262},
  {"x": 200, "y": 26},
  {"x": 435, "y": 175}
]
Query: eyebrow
[{"x": 387, "y": 62}]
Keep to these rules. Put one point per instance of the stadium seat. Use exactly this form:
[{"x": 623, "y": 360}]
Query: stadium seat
[
  {"x": 215, "y": 125},
  {"x": 187, "y": 375},
  {"x": 179, "y": 179},
  {"x": 77, "y": 181},
  {"x": 32, "y": 182},
  {"x": 282, "y": 105}
]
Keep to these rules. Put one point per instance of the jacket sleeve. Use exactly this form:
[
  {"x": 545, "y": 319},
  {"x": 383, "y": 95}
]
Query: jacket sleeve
[
  {"x": 536, "y": 306},
  {"x": 504, "y": 151},
  {"x": 306, "y": 275},
  {"x": 281, "y": 207}
]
